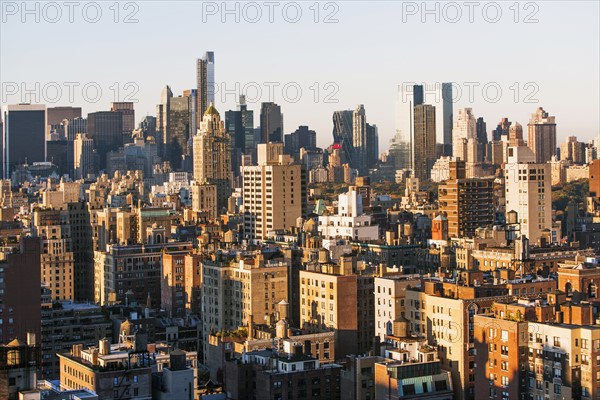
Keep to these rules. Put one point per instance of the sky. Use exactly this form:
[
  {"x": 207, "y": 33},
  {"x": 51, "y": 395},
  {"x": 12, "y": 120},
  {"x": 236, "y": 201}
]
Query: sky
[{"x": 504, "y": 58}]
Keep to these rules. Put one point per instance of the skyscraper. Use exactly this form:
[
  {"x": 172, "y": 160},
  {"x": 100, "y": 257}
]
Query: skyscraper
[
  {"x": 174, "y": 126},
  {"x": 83, "y": 156},
  {"x": 271, "y": 123},
  {"x": 541, "y": 135},
  {"x": 465, "y": 129},
  {"x": 274, "y": 192},
  {"x": 126, "y": 109},
  {"x": 24, "y": 136},
  {"x": 342, "y": 133},
  {"x": 212, "y": 156},
  {"x": 205, "y": 79},
  {"x": 424, "y": 141},
  {"x": 239, "y": 124},
  {"x": 440, "y": 95},
  {"x": 105, "y": 128},
  {"x": 372, "y": 146},
  {"x": 303, "y": 137},
  {"x": 528, "y": 191},
  {"x": 501, "y": 130},
  {"x": 359, "y": 139}
]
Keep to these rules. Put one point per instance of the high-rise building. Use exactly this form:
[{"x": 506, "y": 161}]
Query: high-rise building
[
  {"x": 105, "y": 128},
  {"x": 128, "y": 112},
  {"x": 541, "y": 135},
  {"x": 465, "y": 129},
  {"x": 372, "y": 146},
  {"x": 20, "y": 291},
  {"x": 56, "y": 115},
  {"x": 439, "y": 95},
  {"x": 240, "y": 126},
  {"x": 424, "y": 153},
  {"x": 174, "y": 126},
  {"x": 573, "y": 150},
  {"x": 83, "y": 156},
  {"x": 212, "y": 156},
  {"x": 271, "y": 123},
  {"x": 528, "y": 192},
  {"x": 467, "y": 204},
  {"x": 501, "y": 130},
  {"x": 24, "y": 136},
  {"x": 342, "y": 134},
  {"x": 205, "y": 84},
  {"x": 359, "y": 139},
  {"x": 303, "y": 137},
  {"x": 274, "y": 192},
  {"x": 515, "y": 135}
]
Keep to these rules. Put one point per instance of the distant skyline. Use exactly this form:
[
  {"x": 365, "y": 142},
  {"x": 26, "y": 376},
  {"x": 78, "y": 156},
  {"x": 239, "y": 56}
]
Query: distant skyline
[{"x": 361, "y": 59}]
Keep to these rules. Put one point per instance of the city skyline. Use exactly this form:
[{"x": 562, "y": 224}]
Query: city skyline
[{"x": 335, "y": 77}]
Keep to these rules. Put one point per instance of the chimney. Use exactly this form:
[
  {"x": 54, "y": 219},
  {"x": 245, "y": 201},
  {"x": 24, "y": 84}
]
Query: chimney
[{"x": 250, "y": 327}]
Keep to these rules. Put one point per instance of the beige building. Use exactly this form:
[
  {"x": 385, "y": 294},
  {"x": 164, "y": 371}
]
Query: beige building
[
  {"x": 390, "y": 299},
  {"x": 57, "y": 258},
  {"x": 212, "y": 162},
  {"x": 528, "y": 192},
  {"x": 541, "y": 136},
  {"x": 274, "y": 192}
]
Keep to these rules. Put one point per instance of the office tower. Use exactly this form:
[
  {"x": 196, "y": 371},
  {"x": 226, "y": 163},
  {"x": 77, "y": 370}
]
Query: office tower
[
  {"x": 573, "y": 150},
  {"x": 192, "y": 95},
  {"x": 447, "y": 115},
  {"x": 271, "y": 123},
  {"x": 342, "y": 134},
  {"x": 212, "y": 156},
  {"x": 465, "y": 129},
  {"x": 301, "y": 138},
  {"x": 424, "y": 141},
  {"x": 481, "y": 131},
  {"x": 467, "y": 204},
  {"x": 274, "y": 192},
  {"x": 20, "y": 295},
  {"x": 83, "y": 156},
  {"x": 359, "y": 139},
  {"x": 24, "y": 136},
  {"x": 57, "y": 153},
  {"x": 56, "y": 115},
  {"x": 105, "y": 128},
  {"x": 439, "y": 95},
  {"x": 148, "y": 126},
  {"x": 127, "y": 111},
  {"x": 372, "y": 146},
  {"x": 541, "y": 135},
  {"x": 418, "y": 95},
  {"x": 528, "y": 192},
  {"x": 74, "y": 126},
  {"x": 239, "y": 124},
  {"x": 501, "y": 130},
  {"x": 173, "y": 124},
  {"x": 205, "y": 84},
  {"x": 400, "y": 152}
]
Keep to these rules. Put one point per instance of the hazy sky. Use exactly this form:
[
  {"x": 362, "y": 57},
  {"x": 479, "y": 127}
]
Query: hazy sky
[{"x": 536, "y": 53}]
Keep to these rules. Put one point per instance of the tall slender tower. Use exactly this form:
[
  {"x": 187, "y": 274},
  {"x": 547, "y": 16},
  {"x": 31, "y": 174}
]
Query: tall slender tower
[
  {"x": 212, "y": 158},
  {"x": 359, "y": 138},
  {"x": 205, "y": 78},
  {"x": 424, "y": 141},
  {"x": 271, "y": 123},
  {"x": 541, "y": 135}
]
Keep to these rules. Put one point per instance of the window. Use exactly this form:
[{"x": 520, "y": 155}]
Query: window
[{"x": 504, "y": 381}]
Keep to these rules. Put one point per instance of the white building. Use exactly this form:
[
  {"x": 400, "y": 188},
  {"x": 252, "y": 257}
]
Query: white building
[
  {"x": 390, "y": 294},
  {"x": 528, "y": 189},
  {"x": 349, "y": 222},
  {"x": 464, "y": 130}
]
